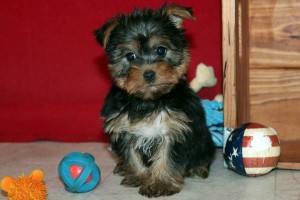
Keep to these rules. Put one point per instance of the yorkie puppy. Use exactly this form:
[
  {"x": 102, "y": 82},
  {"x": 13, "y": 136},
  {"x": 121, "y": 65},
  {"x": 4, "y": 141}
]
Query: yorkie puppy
[{"x": 155, "y": 122}]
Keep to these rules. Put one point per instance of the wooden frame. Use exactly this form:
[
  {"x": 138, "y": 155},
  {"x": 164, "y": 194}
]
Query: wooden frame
[{"x": 240, "y": 104}]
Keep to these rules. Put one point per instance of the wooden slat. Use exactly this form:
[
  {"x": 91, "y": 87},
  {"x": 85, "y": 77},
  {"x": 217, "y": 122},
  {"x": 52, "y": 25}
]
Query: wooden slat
[
  {"x": 235, "y": 66},
  {"x": 288, "y": 165},
  {"x": 290, "y": 151},
  {"x": 275, "y": 86},
  {"x": 242, "y": 71},
  {"x": 229, "y": 29},
  {"x": 275, "y": 33}
]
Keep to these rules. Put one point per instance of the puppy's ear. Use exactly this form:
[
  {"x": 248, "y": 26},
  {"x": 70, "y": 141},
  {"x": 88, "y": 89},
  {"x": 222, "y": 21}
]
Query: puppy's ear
[
  {"x": 103, "y": 34},
  {"x": 177, "y": 13}
]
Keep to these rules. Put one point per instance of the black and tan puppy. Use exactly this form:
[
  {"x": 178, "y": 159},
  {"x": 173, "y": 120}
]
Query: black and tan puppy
[{"x": 155, "y": 122}]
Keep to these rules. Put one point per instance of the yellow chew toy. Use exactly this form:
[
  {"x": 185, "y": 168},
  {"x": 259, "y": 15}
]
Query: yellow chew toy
[{"x": 29, "y": 188}]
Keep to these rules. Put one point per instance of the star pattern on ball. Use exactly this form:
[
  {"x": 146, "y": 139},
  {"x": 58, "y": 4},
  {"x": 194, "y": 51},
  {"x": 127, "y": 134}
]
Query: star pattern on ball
[
  {"x": 230, "y": 157},
  {"x": 235, "y": 152}
]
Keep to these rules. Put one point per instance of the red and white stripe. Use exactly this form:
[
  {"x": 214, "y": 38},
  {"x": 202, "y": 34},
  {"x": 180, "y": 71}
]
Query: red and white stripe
[{"x": 261, "y": 160}]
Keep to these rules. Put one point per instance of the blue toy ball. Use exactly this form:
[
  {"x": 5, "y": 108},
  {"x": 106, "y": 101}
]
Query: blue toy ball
[{"x": 79, "y": 172}]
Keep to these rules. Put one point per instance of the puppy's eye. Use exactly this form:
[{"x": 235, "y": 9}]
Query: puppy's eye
[
  {"x": 161, "y": 51},
  {"x": 130, "y": 56}
]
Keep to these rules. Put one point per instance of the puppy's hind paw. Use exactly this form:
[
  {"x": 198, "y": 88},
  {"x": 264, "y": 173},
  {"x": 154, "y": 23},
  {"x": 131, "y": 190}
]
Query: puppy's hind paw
[
  {"x": 120, "y": 169},
  {"x": 201, "y": 171}
]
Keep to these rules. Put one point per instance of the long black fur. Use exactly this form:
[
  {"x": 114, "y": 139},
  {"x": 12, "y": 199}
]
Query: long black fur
[{"x": 198, "y": 149}]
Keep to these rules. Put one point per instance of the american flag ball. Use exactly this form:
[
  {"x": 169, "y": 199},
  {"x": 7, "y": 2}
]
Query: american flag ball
[{"x": 252, "y": 149}]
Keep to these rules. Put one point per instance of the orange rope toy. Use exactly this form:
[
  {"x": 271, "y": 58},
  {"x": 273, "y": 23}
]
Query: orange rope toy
[{"x": 30, "y": 187}]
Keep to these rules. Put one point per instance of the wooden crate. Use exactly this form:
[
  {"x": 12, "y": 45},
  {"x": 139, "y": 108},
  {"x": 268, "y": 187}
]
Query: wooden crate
[{"x": 261, "y": 64}]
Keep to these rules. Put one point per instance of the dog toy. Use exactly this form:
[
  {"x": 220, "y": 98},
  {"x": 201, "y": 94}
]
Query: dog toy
[
  {"x": 205, "y": 77},
  {"x": 252, "y": 149},
  {"x": 79, "y": 172},
  {"x": 29, "y": 187},
  {"x": 214, "y": 120}
]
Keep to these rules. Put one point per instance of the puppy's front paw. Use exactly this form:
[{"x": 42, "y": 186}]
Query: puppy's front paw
[
  {"x": 158, "y": 188},
  {"x": 132, "y": 181}
]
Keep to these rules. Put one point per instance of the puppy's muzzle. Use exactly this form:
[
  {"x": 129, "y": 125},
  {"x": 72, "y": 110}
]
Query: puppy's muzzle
[{"x": 149, "y": 76}]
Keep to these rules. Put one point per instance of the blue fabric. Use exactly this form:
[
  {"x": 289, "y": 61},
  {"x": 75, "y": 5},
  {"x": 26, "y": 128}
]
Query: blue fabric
[{"x": 214, "y": 120}]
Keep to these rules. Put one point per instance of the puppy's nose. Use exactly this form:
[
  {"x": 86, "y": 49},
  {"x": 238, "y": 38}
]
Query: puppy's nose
[{"x": 149, "y": 76}]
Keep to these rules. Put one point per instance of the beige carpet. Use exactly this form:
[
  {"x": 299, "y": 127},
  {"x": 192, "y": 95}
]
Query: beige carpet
[{"x": 221, "y": 184}]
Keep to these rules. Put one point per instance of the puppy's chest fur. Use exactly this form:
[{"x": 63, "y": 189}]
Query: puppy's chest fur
[
  {"x": 148, "y": 132},
  {"x": 151, "y": 127}
]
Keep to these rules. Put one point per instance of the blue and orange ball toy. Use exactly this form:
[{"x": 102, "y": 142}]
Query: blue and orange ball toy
[{"x": 79, "y": 172}]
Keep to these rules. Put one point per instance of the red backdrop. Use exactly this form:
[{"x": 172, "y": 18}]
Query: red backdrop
[{"x": 53, "y": 76}]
